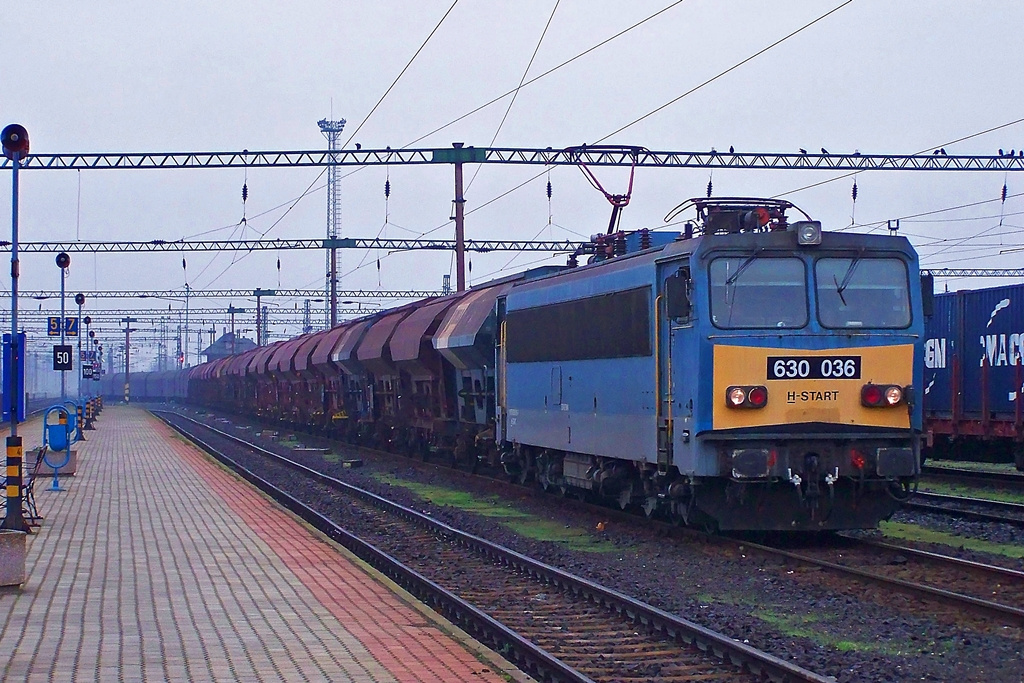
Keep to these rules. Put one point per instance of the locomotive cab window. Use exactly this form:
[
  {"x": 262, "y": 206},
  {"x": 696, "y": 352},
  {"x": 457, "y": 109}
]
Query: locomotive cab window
[
  {"x": 758, "y": 292},
  {"x": 862, "y": 292},
  {"x": 677, "y": 295}
]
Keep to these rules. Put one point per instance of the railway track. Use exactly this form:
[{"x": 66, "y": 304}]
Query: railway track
[
  {"x": 552, "y": 624},
  {"x": 973, "y": 477},
  {"x": 961, "y": 585},
  {"x": 974, "y": 509}
]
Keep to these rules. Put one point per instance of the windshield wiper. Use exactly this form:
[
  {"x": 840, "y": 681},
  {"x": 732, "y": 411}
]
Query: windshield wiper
[
  {"x": 841, "y": 286},
  {"x": 743, "y": 266}
]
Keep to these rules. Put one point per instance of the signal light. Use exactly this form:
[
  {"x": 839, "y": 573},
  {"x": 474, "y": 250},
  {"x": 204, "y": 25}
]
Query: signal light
[
  {"x": 881, "y": 395},
  {"x": 746, "y": 397},
  {"x": 14, "y": 140}
]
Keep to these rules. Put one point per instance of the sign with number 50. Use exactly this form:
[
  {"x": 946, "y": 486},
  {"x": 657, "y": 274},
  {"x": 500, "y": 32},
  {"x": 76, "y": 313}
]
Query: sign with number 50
[{"x": 62, "y": 357}]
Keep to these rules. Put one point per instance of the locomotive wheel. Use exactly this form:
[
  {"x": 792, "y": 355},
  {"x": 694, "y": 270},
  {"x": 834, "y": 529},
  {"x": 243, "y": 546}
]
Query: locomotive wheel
[
  {"x": 679, "y": 514},
  {"x": 625, "y": 497}
]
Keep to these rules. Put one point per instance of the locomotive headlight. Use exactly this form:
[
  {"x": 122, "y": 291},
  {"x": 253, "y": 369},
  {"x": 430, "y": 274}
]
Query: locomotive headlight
[
  {"x": 881, "y": 395},
  {"x": 746, "y": 397},
  {"x": 808, "y": 233}
]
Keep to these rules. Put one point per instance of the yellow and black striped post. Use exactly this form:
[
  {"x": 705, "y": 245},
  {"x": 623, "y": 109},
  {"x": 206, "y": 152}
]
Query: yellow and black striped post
[
  {"x": 90, "y": 414},
  {"x": 80, "y": 420},
  {"x": 15, "y": 519}
]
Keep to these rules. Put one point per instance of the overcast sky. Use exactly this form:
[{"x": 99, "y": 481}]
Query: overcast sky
[{"x": 875, "y": 76}]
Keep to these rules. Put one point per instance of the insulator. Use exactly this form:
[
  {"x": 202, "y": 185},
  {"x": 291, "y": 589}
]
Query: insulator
[
  {"x": 549, "y": 189},
  {"x": 645, "y": 238},
  {"x": 709, "y": 188},
  {"x": 1004, "y": 192},
  {"x": 854, "y": 192},
  {"x": 573, "y": 261},
  {"x": 279, "y": 264},
  {"x": 245, "y": 192},
  {"x": 619, "y": 245},
  {"x": 387, "y": 189},
  {"x": 378, "y": 265}
]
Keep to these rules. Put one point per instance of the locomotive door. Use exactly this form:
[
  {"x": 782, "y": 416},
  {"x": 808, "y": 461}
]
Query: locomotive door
[{"x": 672, "y": 307}]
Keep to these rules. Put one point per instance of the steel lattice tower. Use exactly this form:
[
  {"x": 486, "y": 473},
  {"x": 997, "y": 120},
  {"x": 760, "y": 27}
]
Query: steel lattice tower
[{"x": 332, "y": 131}]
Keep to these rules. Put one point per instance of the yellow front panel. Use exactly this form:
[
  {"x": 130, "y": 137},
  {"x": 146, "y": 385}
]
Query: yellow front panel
[{"x": 829, "y": 400}]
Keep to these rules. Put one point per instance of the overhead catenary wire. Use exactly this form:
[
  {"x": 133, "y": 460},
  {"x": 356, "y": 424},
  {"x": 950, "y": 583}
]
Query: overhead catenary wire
[
  {"x": 401, "y": 73},
  {"x": 515, "y": 93},
  {"x": 727, "y": 71},
  {"x": 363, "y": 122},
  {"x": 477, "y": 109},
  {"x": 550, "y": 71}
]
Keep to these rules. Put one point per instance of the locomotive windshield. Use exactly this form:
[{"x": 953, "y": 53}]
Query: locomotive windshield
[
  {"x": 758, "y": 292},
  {"x": 862, "y": 292}
]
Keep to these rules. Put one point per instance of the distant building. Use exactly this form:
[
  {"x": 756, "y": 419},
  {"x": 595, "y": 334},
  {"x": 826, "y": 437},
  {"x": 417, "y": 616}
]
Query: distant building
[{"x": 227, "y": 345}]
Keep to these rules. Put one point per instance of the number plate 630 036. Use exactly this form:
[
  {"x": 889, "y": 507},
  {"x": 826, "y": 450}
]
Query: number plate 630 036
[{"x": 813, "y": 367}]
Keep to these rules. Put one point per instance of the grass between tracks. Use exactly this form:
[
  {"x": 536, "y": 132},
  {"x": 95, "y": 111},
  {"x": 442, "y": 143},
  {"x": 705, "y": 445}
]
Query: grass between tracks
[
  {"x": 913, "y": 532},
  {"x": 1002, "y": 467},
  {"x": 493, "y": 507},
  {"x": 815, "y": 626}
]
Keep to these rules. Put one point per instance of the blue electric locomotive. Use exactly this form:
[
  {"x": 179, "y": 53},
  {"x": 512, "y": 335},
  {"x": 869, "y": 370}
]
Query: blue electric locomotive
[{"x": 752, "y": 374}]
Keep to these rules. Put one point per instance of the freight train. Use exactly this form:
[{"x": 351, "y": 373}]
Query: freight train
[
  {"x": 974, "y": 376},
  {"x": 748, "y": 373}
]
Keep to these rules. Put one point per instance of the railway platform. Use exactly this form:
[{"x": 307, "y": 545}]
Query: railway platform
[{"x": 157, "y": 564}]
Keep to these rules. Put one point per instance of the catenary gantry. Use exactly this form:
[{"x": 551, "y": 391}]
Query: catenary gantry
[
  {"x": 594, "y": 155},
  {"x": 42, "y": 294},
  {"x": 558, "y": 246}
]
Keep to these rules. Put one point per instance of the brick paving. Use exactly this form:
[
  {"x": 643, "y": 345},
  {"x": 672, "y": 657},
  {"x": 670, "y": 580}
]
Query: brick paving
[{"x": 157, "y": 564}]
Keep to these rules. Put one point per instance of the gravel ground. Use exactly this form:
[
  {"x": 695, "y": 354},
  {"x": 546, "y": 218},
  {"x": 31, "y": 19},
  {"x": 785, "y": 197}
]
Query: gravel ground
[{"x": 852, "y": 631}]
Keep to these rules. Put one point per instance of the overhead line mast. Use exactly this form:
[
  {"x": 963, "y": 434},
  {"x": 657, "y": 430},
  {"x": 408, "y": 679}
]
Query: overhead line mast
[{"x": 332, "y": 131}]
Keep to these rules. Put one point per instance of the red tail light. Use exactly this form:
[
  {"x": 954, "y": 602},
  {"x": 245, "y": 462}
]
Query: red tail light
[
  {"x": 758, "y": 397},
  {"x": 857, "y": 460}
]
